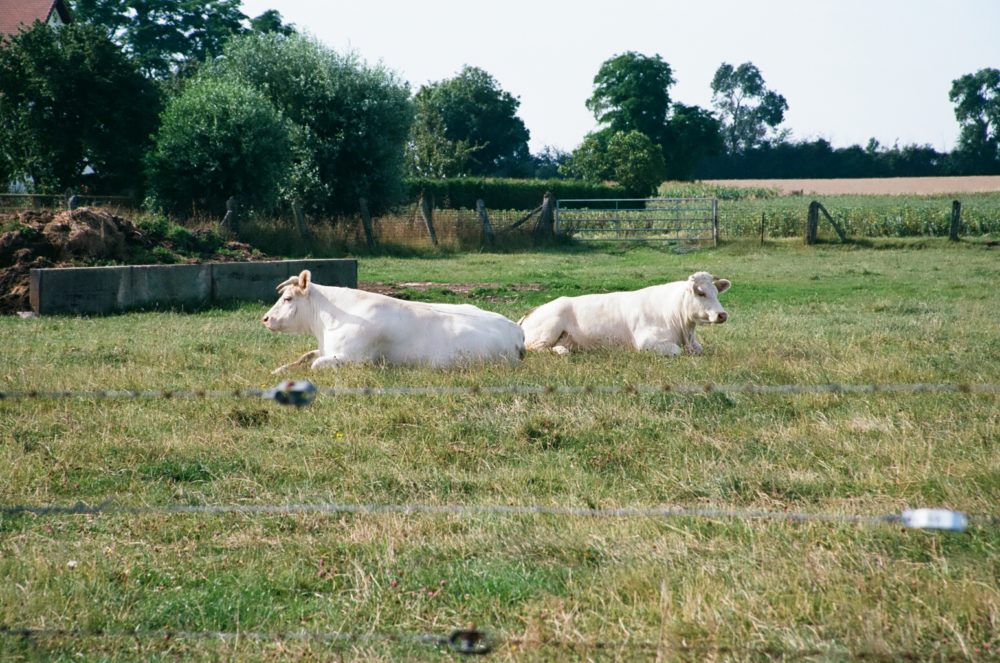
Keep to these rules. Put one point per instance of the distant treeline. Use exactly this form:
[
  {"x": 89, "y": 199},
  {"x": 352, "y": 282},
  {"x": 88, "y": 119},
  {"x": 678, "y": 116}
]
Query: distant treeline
[{"x": 819, "y": 159}]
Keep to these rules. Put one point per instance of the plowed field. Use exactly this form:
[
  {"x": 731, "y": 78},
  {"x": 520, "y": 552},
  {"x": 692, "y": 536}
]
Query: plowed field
[{"x": 876, "y": 186}]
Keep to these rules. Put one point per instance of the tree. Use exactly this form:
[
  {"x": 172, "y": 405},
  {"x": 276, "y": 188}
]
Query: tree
[
  {"x": 429, "y": 152},
  {"x": 163, "y": 36},
  {"x": 747, "y": 109},
  {"x": 73, "y": 110},
  {"x": 628, "y": 158},
  {"x": 692, "y": 134},
  {"x": 632, "y": 92},
  {"x": 471, "y": 118},
  {"x": 270, "y": 22},
  {"x": 977, "y": 109},
  {"x": 219, "y": 139},
  {"x": 349, "y": 121},
  {"x": 547, "y": 164}
]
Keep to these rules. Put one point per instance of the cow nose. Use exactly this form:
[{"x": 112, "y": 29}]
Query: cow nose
[
  {"x": 723, "y": 316},
  {"x": 264, "y": 319}
]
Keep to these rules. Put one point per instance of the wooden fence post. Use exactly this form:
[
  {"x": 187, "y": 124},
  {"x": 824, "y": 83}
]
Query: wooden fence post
[
  {"x": 366, "y": 223},
  {"x": 956, "y": 220},
  {"x": 300, "y": 219},
  {"x": 488, "y": 236},
  {"x": 231, "y": 220},
  {"x": 545, "y": 229},
  {"x": 762, "y": 228},
  {"x": 812, "y": 222},
  {"x": 427, "y": 212}
]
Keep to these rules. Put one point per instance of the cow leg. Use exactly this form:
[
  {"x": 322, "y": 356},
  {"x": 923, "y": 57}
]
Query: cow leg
[
  {"x": 543, "y": 336},
  {"x": 659, "y": 346},
  {"x": 694, "y": 347},
  {"x": 298, "y": 363},
  {"x": 328, "y": 361},
  {"x": 563, "y": 345}
]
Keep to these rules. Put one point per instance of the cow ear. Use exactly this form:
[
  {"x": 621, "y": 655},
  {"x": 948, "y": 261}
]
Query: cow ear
[
  {"x": 304, "y": 279},
  {"x": 722, "y": 285}
]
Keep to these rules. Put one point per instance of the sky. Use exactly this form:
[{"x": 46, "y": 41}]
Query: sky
[{"x": 850, "y": 70}]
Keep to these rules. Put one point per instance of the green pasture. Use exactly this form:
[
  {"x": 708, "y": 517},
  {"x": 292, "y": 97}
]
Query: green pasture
[{"x": 549, "y": 588}]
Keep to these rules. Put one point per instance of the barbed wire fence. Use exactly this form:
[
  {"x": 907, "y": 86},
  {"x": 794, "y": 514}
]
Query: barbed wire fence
[
  {"x": 471, "y": 640},
  {"x": 303, "y": 392}
]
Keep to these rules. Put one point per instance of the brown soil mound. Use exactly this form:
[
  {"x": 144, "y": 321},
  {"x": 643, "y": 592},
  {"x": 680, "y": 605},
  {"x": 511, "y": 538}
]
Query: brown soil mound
[{"x": 83, "y": 236}]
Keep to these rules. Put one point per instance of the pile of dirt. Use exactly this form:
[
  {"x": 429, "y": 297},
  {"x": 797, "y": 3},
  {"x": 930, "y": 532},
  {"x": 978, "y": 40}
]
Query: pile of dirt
[{"x": 81, "y": 237}]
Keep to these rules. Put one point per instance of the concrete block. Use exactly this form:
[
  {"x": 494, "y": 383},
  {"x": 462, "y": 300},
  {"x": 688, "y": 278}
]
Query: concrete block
[
  {"x": 342, "y": 273},
  {"x": 80, "y": 290},
  {"x": 253, "y": 281},
  {"x": 166, "y": 286},
  {"x": 98, "y": 290}
]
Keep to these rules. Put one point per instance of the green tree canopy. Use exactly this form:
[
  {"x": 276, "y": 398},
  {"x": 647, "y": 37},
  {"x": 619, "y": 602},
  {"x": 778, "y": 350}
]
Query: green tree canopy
[
  {"x": 467, "y": 125},
  {"x": 271, "y": 21},
  {"x": 747, "y": 109},
  {"x": 165, "y": 35},
  {"x": 349, "y": 121},
  {"x": 632, "y": 92},
  {"x": 429, "y": 152},
  {"x": 70, "y": 104},
  {"x": 629, "y": 158},
  {"x": 219, "y": 139},
  {"x": 977, "y": 109},
  {"x": 692, "y": 134}
]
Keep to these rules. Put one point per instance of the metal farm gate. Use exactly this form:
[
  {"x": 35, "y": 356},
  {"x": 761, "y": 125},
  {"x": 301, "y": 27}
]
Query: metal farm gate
[{"x": 639, "y": 219}]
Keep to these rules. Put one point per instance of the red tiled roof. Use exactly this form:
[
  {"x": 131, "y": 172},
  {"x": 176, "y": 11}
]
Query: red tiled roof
[{"x": 17, "y": 15}]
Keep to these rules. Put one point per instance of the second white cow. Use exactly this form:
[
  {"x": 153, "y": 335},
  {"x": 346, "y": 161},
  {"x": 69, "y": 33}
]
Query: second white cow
[
  {"x": 354, "y": 326},
  {"x": 660, "y": 318}
]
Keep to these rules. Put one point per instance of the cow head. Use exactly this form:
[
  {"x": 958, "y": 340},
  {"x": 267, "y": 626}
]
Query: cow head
[
  {"x": 703, "y": 303},
  {"x": 293, "y": 310}
]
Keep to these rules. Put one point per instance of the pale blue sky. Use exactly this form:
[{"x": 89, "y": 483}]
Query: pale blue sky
[{"x": 850, "y": 69}]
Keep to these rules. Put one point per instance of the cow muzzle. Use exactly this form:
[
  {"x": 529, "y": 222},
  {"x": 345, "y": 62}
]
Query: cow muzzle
[{"x": 720, "y": 318}]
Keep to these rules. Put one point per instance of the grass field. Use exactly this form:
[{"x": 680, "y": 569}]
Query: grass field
[{"x": 547, "y": 587}]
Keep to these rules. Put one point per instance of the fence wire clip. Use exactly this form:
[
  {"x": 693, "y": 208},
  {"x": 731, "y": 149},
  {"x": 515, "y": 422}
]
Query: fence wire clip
[
  {"x": 470, "y": 642},
  {"x": 293, "y": 392},
  {"x": 935, "y": 519}
]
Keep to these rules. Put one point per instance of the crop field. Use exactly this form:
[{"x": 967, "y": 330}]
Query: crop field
[{"x": 157, "y": 583}]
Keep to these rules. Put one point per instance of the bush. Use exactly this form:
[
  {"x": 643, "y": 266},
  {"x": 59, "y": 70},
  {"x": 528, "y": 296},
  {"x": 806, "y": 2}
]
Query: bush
[
  {"x": 350, "y": 121},
  {"x": 218, "y": 139}
]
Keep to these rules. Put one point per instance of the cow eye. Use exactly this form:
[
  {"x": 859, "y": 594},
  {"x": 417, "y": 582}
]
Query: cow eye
[{"x": 699, "y": 292}]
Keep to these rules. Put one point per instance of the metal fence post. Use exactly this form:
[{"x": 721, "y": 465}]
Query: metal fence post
[{"x": 715, "y": 221}]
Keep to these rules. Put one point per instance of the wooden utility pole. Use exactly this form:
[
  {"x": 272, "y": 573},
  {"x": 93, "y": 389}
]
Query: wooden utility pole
[{"x": 956, "y": 220}]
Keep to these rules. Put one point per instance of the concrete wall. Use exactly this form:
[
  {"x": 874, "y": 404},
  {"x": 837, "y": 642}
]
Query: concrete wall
[{"x": 97, "y": 290}]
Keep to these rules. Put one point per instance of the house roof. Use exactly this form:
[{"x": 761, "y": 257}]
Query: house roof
[{"x": 17, "y": 15}]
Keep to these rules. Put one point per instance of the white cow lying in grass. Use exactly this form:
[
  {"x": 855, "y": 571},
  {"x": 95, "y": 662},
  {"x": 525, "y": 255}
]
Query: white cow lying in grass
[
  {"x": 354, "y": 326},
  {"x": 660, "y": 318}
]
